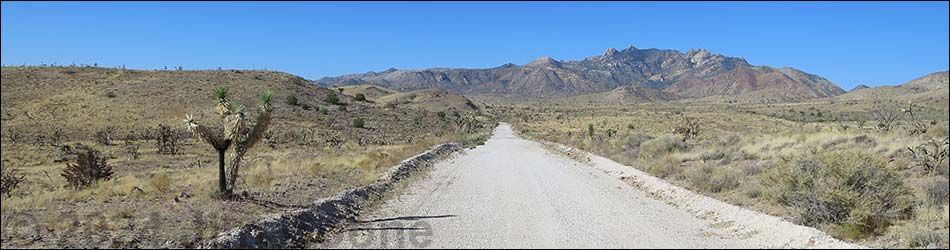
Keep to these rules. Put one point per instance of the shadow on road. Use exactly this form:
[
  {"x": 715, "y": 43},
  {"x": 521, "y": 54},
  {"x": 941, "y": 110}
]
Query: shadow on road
[{"x": 407, "y": 218}]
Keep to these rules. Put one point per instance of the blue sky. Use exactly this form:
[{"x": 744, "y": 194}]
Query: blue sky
[{"x": 849, "y": 43}]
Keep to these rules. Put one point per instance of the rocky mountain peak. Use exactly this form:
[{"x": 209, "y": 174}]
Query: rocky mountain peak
[
  {"x": 544, "y": 61},
  {"x": 611, "y": 52}
]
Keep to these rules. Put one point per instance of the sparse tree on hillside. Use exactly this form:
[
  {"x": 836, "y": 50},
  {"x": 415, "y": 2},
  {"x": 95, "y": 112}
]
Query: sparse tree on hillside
[
  {"x": 886, "y": 116},
  {"x": 235, "y": 135},
  {"x": 360, "y": 98},
  {"x": 919, "y": 127}
]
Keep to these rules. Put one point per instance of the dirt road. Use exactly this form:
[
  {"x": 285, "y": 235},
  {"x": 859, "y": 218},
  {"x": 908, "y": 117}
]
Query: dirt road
[{"x": 514, "y": 193}]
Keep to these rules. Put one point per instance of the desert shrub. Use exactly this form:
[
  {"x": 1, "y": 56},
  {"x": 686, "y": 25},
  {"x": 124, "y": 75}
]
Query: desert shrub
[
  {"x": 9, "y": 182},
  {"x": 590, "y": 130},
  {"x": 838, "y": 187},
  {"x": 13, "y": 136},
  {"x": 665, "y": 166},
  {"x": 332, "y": 98},
  {"x": 441, "y": 115},
  {"x": 661, "y": 146},
  {"x": 632, "y": 143},
  {"x": 710, "y": 178},
  {"x": 291, "y": 100},
  {"x": 104, "y": 136},
  {"x": 926, "y": 230},
  {"x": 89, "y": 169},
  {"x": 166, "y": 139},
  {"x": 710, "y": 156},
  {"x": 730, "y": 140},
  {"x": 945, "y": 170},
  {"x": 132, "y": 150},
  {"x": 934, "y": 190},
  {"x": 359, "y": 123},
  {"x": 360, "y": 98},
  {"x": 946, "y": 215},
  {"x": 753, "y": 168},
  {"x": 390, "y": 105}
]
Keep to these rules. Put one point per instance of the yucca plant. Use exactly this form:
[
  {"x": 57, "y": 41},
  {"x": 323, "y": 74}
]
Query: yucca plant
[{"x": 236, "y": 135}]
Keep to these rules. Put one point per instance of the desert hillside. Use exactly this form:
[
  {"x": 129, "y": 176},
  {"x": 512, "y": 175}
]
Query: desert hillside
[
  {"x": 435, "y": 100},
  {"x": 81, "y": 101},
  {"x": 926, "y": 88}
]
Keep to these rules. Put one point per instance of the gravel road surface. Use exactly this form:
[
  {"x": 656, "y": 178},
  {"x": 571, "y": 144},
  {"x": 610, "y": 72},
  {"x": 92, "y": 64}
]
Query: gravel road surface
[{"x": 515, "y": 193}]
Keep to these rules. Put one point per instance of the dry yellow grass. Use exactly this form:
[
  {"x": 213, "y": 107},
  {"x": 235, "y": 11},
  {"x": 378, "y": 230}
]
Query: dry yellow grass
[
  {"x": 309, "y": 155},
  {"x": 737, "y": 143}
]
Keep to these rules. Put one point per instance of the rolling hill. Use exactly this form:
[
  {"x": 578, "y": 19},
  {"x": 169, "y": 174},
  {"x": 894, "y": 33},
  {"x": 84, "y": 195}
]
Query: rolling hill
[
  {"x": 82, "y": 100},
  {"x": 930, "y": 87},
  {"x": 435, "y": 100}
]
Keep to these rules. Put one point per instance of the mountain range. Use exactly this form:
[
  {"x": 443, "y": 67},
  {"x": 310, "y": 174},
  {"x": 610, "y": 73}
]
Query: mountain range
[{"x": 631, "y": 73}]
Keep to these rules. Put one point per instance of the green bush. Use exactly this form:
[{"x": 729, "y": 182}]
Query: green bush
[
  {"x": 838, "y": 187},
  {"x": 332, "y": 98},
  {"x": 662, "y": 146},
  {"x": 360, "y": 98},
  {"x": 359, "y": 123},
  {"x": 291, "y": 100}
]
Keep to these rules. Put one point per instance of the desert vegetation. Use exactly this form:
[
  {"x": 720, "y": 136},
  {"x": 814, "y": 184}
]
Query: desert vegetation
[
  {"x": 872, "y": 172},
  {"x": 156, "y": 183}
]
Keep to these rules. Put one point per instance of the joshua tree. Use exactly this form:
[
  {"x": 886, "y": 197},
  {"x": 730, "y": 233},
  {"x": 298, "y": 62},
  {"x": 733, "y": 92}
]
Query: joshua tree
[
  {"x": 689, "y": 129},
  {"x": 236, "y": 135}
]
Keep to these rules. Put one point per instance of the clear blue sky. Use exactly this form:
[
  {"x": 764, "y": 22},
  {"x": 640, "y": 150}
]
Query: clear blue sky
[{"x": 849, "y": 43}]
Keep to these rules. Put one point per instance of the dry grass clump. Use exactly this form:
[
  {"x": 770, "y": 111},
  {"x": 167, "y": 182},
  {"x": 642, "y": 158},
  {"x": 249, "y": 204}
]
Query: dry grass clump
[{"x": 926, "y": 230}]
